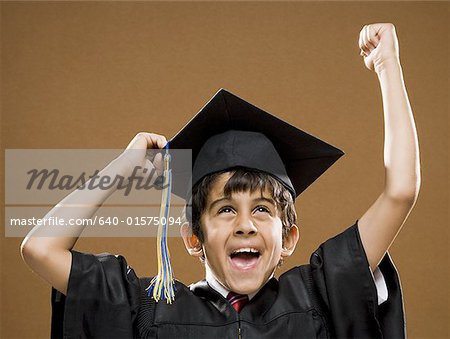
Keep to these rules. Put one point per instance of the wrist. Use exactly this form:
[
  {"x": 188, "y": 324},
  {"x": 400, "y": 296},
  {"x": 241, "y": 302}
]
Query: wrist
[{"x": 387, "y": 66}]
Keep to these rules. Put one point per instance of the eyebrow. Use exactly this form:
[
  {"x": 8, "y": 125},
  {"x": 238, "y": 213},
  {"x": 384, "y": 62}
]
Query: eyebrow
[{"x": 215, "y": 202}]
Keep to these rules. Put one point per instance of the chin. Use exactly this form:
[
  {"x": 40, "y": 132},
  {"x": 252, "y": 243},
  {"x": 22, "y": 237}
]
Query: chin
[{"x": 247, "y": 287}]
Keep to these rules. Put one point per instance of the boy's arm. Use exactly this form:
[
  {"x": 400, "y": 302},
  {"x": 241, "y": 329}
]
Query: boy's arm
[
  {"x": 381, "y": 223},
  {"x": 50, "y": 257}
]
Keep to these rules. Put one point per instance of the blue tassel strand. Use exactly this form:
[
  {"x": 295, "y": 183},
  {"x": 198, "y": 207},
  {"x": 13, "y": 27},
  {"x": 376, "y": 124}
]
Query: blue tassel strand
[{"x": 162, "y": 286}]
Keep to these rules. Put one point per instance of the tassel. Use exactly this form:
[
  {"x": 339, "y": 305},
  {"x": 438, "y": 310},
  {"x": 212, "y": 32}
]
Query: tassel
[{"x": 162, "y": 286}]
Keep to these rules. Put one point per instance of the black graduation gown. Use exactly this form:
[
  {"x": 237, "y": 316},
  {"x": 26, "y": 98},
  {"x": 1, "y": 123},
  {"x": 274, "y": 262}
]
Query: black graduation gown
[{"x": 332, "y": 297}]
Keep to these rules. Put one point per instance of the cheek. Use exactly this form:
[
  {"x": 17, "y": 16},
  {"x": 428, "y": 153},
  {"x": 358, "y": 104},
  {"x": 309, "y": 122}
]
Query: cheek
[
  {"x": 210, "y": 233},
  {"x": 279, "y": 244},
  {"x": 214, "y": 238},
  {"x": 276, "y": 236},
  {"x": 280, "y": 235},
  {"x": 216, "y": 229}
]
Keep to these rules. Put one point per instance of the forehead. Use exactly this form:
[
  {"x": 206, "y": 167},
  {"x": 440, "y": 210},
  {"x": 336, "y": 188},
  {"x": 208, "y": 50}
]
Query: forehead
[{"x": 217, "y": 188}]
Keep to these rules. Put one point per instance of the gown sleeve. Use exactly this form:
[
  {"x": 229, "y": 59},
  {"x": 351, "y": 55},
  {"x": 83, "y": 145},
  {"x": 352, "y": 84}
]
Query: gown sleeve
[
  {"x": 346, "y": 288},
  {"x": 102, "y": 299}
]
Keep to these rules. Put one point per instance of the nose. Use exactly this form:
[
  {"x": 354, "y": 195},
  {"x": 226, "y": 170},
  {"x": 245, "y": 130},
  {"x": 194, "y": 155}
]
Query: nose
[{"x": 245, "y": 226}]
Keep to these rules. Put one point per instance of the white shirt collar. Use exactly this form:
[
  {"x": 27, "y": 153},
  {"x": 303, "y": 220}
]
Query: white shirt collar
[
  {"x": 215, "y": 284},
  {"x": 378, "y": 277}
]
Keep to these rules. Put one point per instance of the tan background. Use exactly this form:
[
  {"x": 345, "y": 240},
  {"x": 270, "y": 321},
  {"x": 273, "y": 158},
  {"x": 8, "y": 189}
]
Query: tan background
[{"x": 91, "y": 75}]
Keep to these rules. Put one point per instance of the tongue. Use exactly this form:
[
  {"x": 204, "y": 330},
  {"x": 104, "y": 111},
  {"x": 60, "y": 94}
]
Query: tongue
[{"x": 244, "y": 260}]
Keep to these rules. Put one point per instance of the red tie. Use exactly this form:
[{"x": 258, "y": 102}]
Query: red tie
[{"x": 238, "y": 301}]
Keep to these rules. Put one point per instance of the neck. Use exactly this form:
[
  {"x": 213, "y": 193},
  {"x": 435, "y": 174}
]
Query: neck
[{"x": 219, "y": 286}]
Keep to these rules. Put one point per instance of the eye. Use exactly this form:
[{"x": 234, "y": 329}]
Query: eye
[
  {"x": 226, "y": 209},
  {"x": 262, "y": 209}
]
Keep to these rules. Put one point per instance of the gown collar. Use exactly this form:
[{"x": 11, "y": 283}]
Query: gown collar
[
  {"x": 215, "y": 284},
  {"x": 257, "y": 306}
]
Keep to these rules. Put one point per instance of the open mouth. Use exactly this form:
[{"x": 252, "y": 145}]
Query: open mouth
[{"x": 245, "y": 258}]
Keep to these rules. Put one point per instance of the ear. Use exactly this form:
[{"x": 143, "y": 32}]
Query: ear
[
  {"x": 290, "y": 241},
  {"x": 191, "y": 241}
]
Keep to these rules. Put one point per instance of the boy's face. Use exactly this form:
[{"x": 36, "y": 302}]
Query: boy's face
[{"x": 243, "y": 237}]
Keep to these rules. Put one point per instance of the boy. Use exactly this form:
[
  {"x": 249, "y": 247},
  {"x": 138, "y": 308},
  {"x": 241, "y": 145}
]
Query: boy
[{"x": 248, "y": 168}]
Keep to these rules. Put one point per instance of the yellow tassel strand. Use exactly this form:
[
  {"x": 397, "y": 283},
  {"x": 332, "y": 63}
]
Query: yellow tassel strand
[{"x": 162, "y": 286}]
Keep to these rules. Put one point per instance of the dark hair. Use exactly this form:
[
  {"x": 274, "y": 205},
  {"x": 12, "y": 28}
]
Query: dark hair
[{"x": 241, "y": 180}]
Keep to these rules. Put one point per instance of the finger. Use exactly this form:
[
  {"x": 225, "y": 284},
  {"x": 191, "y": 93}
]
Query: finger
[
  {"x": 375, "y": 36},
  {"x": 151, "y": 153},
  {"x": 153, "y": 140},
  {"x": 158, "y": 163},
  {"x": 362, "y": 44},
  {"x": 151, "y": 171},
  {"x": 380, "y": 28},
  {"x": 370, "y": 37},
  {"x": 368, "y": 47},
  {"x": 367, "y": 38},
  {"x": 161, "y": 140}
]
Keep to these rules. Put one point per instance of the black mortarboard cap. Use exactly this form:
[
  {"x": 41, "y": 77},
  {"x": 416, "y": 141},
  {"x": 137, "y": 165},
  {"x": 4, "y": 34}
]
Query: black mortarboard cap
[{"x": 229, "y": 132}]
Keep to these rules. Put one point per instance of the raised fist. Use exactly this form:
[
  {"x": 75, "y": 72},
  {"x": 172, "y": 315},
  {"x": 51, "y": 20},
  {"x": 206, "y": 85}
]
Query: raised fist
[{"x": 379, "y": 45}]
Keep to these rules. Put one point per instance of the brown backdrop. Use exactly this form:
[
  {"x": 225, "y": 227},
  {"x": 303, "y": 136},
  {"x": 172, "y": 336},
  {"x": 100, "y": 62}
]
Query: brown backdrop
[{"x": 91, "y": 75}]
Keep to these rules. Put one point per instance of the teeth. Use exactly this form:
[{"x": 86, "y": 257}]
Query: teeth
[{"x": 245, "y": 249}]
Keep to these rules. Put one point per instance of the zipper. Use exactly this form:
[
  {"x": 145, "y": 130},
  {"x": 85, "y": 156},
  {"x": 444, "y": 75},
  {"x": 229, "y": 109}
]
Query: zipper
[{"x": 239, "y": 329}]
